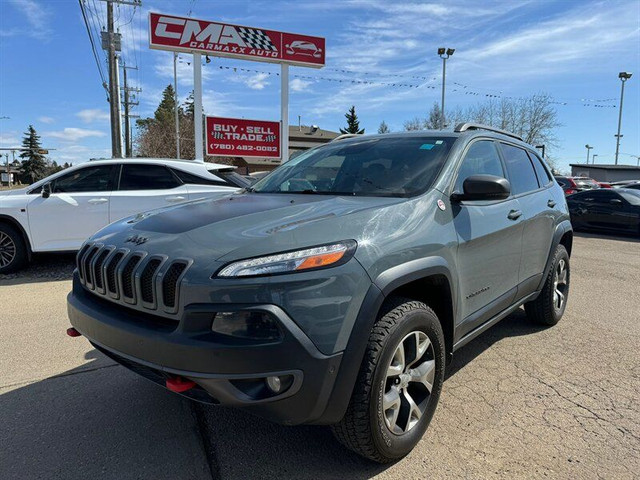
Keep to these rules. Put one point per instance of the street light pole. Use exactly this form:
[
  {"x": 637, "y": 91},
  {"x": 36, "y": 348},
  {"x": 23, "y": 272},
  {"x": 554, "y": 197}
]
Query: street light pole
[
  {"x": 588, "y": 147},
  {"x": 623, "y": 76},
  {"x": 444, "y": 53},
  {"x": 593, "y": 159}
]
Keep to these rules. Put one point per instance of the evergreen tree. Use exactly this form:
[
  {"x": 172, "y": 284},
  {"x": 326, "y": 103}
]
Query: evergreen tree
[
  {"x": 34, "y": 165},
  {"x": 188, "y": 105},
  {"x": 384, "y": 128},
  {"x": 435, "y": 120},
  {"x": 165, "y": 113},
  {"x": 353, "y": 125}
]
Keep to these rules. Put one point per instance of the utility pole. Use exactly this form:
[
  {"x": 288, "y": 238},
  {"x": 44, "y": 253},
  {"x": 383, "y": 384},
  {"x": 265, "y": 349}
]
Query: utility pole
[
  {"x": 623, "y": 76},
  {"x": 175, "y": 93},
  {"x": 127, "y": 115},
  {"x": 444, "y": 53},
  {"x": 114, "y": 87}
]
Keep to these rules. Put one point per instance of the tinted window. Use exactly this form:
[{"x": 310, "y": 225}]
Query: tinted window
[
  {"x": 146, "y": 177},
  {"x": 390, "y": 166},
  {"x": 232, "y": 177},
  {"x": 196, "y": 180},
  {"x": 481, "y": 158},
  {"x": 522, "y": 176},
  {"x": 543, "y": 175},
  {"x": 631, "y": 196},
  {"x": 88, "y": 179}
]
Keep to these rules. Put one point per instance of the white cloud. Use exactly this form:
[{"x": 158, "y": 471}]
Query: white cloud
[
  {"x": 257, "y": 81},
  {"x": 299, "y": 85},
  {"x": 73, "y": 134},
  {"x": 37, "y": 16},
  {"x": 9, "y": 139},
  {"x": 46, "y": 119},
  {"x": 91, "y": 115}
]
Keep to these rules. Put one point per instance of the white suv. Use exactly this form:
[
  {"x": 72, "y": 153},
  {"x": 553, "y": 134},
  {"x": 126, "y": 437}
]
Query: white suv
[{"x": 59, "y": 212}]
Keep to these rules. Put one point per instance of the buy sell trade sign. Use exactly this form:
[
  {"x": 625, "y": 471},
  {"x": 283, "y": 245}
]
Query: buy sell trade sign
[{"x": 238, "y": 137}]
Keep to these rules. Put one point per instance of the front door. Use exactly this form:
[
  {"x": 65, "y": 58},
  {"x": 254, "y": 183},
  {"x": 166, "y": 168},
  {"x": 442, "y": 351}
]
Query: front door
[
  {"x": 77, "y": 208},
  {"x": 490, "y": 243}
]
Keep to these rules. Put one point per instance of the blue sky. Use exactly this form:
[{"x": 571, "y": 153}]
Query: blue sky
[{"x": 572, "y": 50}]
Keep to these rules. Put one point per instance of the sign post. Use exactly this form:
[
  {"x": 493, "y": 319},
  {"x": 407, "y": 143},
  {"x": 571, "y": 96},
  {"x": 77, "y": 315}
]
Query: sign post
[{"x": 184, "y": 34}]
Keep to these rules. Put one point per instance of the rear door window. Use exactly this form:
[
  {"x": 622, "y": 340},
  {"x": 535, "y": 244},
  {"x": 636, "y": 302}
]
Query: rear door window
[
  {"x": 522, "y": 176},
  {"x": 147, "y": 177}
]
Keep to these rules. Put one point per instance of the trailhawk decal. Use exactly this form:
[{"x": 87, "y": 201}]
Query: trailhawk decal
[{"x": 182, "y": 34}]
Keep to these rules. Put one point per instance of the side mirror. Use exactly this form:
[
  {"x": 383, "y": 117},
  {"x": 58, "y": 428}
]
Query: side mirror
[
  {"x": 616, "y": 202},
  {"x": 483, "y": 187},
  {"x": 46, "y": 190}
]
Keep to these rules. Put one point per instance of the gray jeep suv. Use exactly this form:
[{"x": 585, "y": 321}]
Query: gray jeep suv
[{"x": 335, "y": 290}]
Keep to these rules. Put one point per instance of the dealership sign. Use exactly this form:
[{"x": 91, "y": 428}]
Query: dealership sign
[
  {"x": 237, "y": 137},
  {"x": 183, "y": 34}
]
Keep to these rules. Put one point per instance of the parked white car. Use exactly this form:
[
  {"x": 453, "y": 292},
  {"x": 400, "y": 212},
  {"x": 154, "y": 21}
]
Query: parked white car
[{"x": 59, "y": 212}]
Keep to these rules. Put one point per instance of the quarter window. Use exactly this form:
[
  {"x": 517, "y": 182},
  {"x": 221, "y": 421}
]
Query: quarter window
[
  {"x": 146, "y": 177},
  {"x": 522, "y": 176},
  {"x": 88, "y": 179},
  {"x": 543, "y": 175},
  {"x": 481, "y": 159}
]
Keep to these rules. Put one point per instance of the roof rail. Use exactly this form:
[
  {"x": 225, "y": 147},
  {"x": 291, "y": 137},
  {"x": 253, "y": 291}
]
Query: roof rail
[
  {"x": 346, "y": 135},
  {"x": 463, "y": 127}
]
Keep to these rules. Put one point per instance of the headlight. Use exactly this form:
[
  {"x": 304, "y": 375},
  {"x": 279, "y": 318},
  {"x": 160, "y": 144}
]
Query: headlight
[{"x": 298, "y": 260}]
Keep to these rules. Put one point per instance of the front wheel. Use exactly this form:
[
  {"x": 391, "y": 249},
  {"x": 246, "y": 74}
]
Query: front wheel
[
  {"x": 13, "y": 253},
  {"x": 549, "y": 307},
  {"x": 398, "y": 386}
]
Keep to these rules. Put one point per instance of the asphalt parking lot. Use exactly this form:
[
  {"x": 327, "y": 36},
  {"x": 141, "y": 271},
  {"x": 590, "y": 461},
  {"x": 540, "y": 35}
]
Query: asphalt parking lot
[{"x": 519, "y": 402}]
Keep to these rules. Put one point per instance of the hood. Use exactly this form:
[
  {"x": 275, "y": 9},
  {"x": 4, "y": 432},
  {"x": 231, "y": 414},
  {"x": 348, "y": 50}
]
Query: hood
[
  {"x": 242, "y": 225},
  {"x": 17, "y": 191}
]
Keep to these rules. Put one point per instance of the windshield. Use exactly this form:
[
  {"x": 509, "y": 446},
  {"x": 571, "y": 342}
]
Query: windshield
[
  {"x": 631, "y": 196},
  {"x": 393, "y": 166}
]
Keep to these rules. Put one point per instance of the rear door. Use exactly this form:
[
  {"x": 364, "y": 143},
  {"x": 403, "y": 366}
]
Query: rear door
[
  {"x": 145, "y": 186},
  {"x": 77, "y": 207},
  {"x": 538, "y": 205},
  {"x": 490, "y": 242},
  {"x": 607, "y": 209}
]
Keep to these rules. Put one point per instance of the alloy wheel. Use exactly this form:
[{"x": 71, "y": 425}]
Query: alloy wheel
[
  {"x": 7, "y": 250},
  {"x": 560, "y": 285},
  {"x": 409, "y": 382}
]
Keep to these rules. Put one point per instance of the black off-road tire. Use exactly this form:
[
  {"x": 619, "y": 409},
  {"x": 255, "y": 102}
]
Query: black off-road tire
[
  {"x": 12, "y": 246},
  {"x": 542, "y": 310},
  {"x": 363, "y": 428}
]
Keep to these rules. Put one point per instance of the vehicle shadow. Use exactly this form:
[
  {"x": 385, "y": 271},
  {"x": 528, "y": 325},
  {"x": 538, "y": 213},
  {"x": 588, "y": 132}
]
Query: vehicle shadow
[{"x": 44, "y": 267}]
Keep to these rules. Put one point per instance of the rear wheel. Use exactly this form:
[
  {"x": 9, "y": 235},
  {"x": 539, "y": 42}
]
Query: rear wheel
[
  {"x": 549, "y": 307},
  {"x": 398, "y": 386},
  {"x": 13, "y": 253}
]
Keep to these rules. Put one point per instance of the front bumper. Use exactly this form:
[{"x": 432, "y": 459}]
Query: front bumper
[{"x": 225, "y": 372}]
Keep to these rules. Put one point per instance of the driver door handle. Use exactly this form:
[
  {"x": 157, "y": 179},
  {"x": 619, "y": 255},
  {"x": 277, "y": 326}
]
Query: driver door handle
[
  {"x": 551, "y": 204},
  {"x": 178, "y": 198},
  {"x": 514, "y": 214},
  {"x": 96, "y": 201}
]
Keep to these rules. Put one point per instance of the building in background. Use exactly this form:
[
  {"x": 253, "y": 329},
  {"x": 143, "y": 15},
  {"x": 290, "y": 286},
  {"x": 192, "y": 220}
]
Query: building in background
[
  {"x": 606, "y": 173},
  {"x": 301, "y": 138}
]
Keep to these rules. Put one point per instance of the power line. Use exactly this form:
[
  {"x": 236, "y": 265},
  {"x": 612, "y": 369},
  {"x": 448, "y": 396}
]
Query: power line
[{"x": 93, "y": 47}]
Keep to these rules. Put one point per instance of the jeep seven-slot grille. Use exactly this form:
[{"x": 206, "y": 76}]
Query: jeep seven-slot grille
[
  {"x": 131, "y": 278},
  {"x": 170, "y": 283}
]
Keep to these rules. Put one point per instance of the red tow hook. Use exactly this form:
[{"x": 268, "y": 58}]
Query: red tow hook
[
  {"x": 179, "y": 384},
  {"x": 72, "y": 332}
]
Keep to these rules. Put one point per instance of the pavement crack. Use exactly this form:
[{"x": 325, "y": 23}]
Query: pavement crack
[{"x": 209, "y": 448}]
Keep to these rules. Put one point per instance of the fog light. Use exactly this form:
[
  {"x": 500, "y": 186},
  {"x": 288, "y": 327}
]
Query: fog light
[
  {"x": 247, "y": 325},
  {"x": 274, "y": 384}
]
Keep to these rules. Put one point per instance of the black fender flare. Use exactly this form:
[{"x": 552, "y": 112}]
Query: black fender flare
[
  {"x": 353, "y": 355},
  {"x": 562, "y": 228}
]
